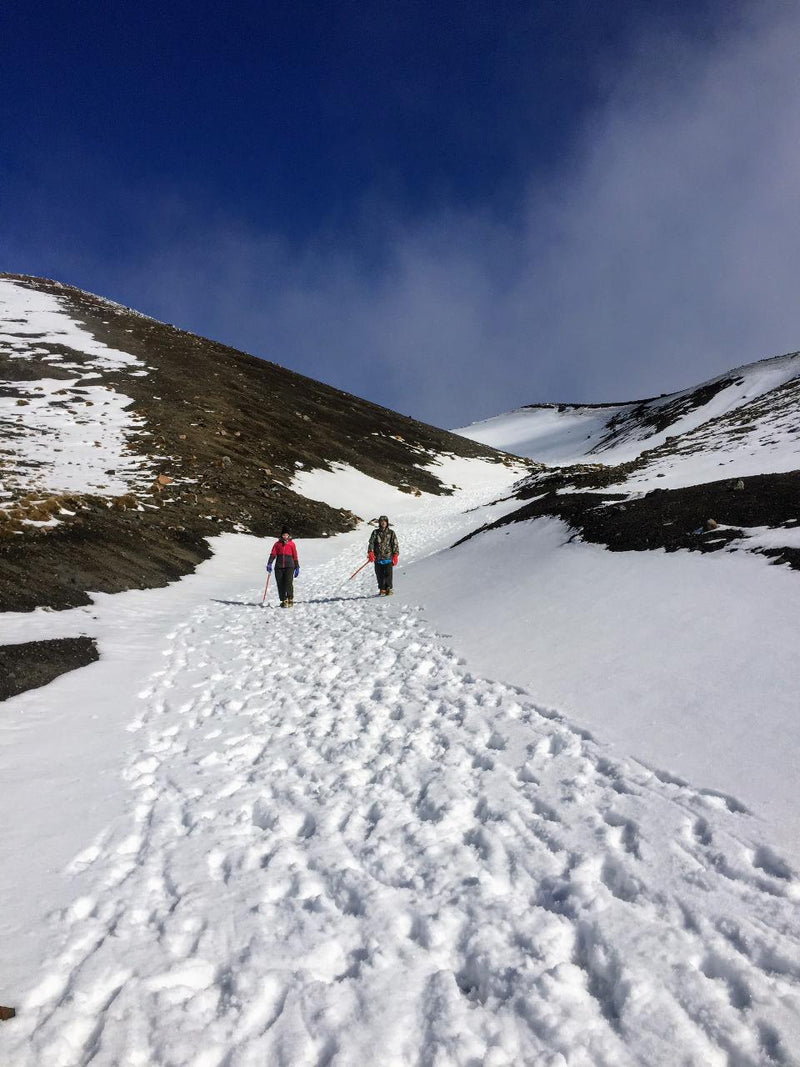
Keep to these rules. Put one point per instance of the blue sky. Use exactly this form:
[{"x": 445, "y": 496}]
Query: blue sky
[{"x": 449, "y": 208}]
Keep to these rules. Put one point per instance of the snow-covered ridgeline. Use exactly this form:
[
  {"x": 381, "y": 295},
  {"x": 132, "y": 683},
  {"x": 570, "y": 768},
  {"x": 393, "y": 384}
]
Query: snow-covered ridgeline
[
  {"x": 69, "y": 433},
  {"x": 572, "y": 434},
  {"x": 689, "y": 409},
  {"x": 758, "y": 437}
]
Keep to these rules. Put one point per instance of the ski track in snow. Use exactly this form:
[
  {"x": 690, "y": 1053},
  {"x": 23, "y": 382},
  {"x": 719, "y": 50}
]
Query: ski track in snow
[{"x": 343, "y": 847}]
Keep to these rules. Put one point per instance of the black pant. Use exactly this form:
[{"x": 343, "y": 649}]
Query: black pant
[
  {"x": 383, "y": 572},
  {"x": 284, "y": 579}
]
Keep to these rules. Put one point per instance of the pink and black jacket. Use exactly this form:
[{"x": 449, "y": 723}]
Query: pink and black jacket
[{"x": 284, "y": 554}]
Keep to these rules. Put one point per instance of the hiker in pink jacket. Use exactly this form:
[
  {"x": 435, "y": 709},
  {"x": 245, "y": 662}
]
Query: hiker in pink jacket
[{"x": 287, "y": 567}]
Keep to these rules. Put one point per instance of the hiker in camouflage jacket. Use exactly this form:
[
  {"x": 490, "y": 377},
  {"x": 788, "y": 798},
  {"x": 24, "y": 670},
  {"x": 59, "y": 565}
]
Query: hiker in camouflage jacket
[{"x": 383, "y": 550}]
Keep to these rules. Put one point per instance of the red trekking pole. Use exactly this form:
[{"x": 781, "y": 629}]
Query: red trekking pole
[
  {"x": 361, "y": 568},
  {"x": 266, "y": 587}
]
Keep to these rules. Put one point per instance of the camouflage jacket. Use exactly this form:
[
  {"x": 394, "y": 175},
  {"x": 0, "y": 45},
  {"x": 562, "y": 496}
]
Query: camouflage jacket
[{"x": 384, "y": 543}]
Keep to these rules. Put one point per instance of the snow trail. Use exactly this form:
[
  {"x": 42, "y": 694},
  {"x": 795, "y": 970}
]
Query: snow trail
[{"x": 343, "y": 847}]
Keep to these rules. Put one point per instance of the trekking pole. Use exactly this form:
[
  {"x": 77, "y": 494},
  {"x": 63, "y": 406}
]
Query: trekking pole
[
  {"x": 361, "y": 568},
  {"x": 266, "y": 587}
]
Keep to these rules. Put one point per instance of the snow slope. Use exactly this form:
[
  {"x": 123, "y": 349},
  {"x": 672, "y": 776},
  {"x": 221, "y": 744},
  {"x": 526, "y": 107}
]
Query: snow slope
[
  {"x": 63, "y": 428},
  {"x": 556, "y": 434},
  {"x": 761, "y": 436},
  {"x": 686, "y": 661},
  {"x": 741, "y": 423},
  {"x": 334, "y": 841}
]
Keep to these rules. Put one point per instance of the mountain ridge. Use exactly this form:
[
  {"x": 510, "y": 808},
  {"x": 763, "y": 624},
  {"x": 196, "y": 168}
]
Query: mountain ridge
[
  {"x": 198, "y": 438},
  {"x": 708, "y": 468},
  {"x": 659, "y": 412}
]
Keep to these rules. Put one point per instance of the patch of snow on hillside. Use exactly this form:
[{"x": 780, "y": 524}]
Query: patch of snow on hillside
[
  {"x": 70, "y": 433},
  {"x": 30, "y": 319},
  {"x": 69, "y": 441},
  {"x": 768, "y": 538},
  {"x": 344, "y": 486}
]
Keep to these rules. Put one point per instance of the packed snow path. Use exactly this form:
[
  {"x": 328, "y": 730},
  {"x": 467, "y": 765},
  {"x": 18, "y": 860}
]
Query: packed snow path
[{"x": 343, "y": 848}]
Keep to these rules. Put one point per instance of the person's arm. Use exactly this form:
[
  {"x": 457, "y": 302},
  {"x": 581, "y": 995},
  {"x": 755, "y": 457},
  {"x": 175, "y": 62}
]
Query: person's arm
[
  {"x": 371, "y": 546},
  {"x": 271, "y": 559}
]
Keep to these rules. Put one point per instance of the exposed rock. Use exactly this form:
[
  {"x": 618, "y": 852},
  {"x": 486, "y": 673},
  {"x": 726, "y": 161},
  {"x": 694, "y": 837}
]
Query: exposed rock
[
  {"x": 34, "y": 663},
  {"x": 710, "y": 524}
]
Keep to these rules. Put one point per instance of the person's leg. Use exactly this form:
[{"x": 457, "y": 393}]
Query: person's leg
[
  {"x": 378, "y": 576},
  {"x": 290, "y": 585},
  {"x": 387, "y": 577},
  {"x": 280, "y": 581}
]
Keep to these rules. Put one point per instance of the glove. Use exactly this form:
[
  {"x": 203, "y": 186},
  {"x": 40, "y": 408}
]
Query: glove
[
  {"x": 296, "y": 571},
  {"x": 269, "y": 568},
  {"x": 395, "y": 558},
  {"x": 371, "y": 556}
]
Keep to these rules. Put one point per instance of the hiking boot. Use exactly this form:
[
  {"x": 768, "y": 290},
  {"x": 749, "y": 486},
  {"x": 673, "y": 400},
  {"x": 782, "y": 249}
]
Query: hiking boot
[
  {"x": 381, "y": 592},
  {"x": 290, "y": 603},
  {"x": 390, "y": 592},
  {"x": 284, "y": 603}
]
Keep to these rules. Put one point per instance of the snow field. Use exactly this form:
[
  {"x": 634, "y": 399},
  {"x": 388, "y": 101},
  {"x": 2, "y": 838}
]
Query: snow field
[
  {"x": 342, "y": 846},
  {"x": 345, "y": 487},
  {"x": 69, "y": 433},
  {"x": 545, "y": 434},
  {"x": 687, "y": 661}
]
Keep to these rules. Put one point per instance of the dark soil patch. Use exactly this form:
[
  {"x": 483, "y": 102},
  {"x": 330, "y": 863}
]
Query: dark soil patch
[
  {"x": 35, "y": 663},
  {"x": 672, "y": 518},
  {"x": 577, "y": 476}
]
